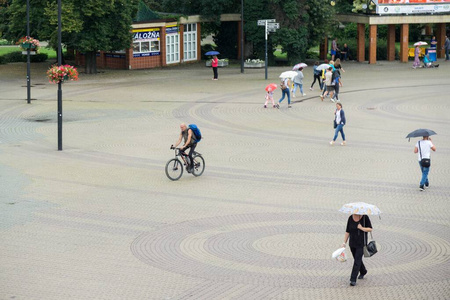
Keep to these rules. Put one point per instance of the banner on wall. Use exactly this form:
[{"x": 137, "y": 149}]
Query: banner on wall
[
  {"x": 151, "y": 35},
  {"x": 389, "y": 7}
]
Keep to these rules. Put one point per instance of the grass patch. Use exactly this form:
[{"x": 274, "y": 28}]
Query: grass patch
[{"x": 8, "y": 49}]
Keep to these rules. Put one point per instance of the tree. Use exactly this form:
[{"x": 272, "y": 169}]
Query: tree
[
  {"x": 87, "y": 25},
  {"x": 93, "y": 25},
  {"x": 303, "y": 22},
  {"x": 16, "y": 13}
]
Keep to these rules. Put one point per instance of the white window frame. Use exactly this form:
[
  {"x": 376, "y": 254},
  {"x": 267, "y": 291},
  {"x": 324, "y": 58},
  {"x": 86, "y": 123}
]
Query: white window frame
[
  {"x": 173, "y": 48},
  {"x": 151, "y": 46},
  {"x": 190, "y": 42}
]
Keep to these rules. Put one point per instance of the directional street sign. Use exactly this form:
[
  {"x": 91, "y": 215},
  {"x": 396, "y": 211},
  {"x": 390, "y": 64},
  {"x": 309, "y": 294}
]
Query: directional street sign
[
  {"x": 273, "y": 26},
  {"x": 271, "y": 30},
  {"x": 263, "y": 22}
]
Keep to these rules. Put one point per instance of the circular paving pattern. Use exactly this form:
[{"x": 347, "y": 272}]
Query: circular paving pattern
[{"x": 293, "y": 249}]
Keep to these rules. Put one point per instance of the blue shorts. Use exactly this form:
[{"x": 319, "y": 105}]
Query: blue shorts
[{"x": 333, "y": 52}]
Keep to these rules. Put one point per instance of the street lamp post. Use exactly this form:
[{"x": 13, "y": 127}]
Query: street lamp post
[
  {"x": 28, "y": 56},
  {"x": 59, "y": 83},
  {"x": 242, "y": 36}
]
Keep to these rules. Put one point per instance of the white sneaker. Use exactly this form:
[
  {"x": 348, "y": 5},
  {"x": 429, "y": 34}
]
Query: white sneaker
[
  {"x": 332, "y": 100},
  {"x": 332, "y": 143},
  {"x": 293, "y": 95},
  {"x": 304, "y": 94},
  {"x": 311, "y": 89},
  {"x": 343, "y": 143}
]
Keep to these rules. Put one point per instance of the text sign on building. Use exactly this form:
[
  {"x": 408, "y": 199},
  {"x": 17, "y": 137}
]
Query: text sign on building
[
  {"x": 171, "y": 29},
  {"x": 149, "y": 35},
  {"x": 410, "y": 7}
]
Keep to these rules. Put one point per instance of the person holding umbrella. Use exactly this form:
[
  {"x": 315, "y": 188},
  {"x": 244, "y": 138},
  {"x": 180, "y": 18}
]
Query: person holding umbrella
[
  {"x": 423, "y": 148},
  {"x": 214, "y": 62},
  {"x": 214, "y": 65},
  {"x": 358, "y": 225},
  {"x": 416, "y": 63}
]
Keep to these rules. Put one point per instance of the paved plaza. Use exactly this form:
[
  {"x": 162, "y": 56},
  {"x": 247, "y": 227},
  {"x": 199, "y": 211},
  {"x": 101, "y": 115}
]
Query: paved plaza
[{"x": 100, "y": 219}]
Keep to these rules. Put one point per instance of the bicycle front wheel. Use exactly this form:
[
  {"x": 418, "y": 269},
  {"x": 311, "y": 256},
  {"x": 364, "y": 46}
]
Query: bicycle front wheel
[
  {"x": 199, "y": 165},
  {"x": 174, "y": 169}
]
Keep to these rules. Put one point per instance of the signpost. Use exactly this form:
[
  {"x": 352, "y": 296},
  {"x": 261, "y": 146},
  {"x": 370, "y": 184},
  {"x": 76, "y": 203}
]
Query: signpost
[{"x": 270, "y": 26}]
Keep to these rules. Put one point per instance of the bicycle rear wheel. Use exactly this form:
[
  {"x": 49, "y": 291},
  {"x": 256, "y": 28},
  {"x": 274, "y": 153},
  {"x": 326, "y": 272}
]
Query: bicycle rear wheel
[
  {"x": 199, "y": 165},
  {"x": 174, "y": 169}
]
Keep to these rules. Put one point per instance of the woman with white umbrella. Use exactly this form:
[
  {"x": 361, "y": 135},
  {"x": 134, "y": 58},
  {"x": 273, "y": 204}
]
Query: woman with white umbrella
[{"x": 358, "y": 225}]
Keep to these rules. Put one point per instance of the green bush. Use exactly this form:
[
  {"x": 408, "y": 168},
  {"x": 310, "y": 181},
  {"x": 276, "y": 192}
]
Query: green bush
[
  {"x": 40, "y": 57},
  {"x": 17, "y": 56},
  {"x": 310, "y": 54},
  {"x": 381, "y": 49}
]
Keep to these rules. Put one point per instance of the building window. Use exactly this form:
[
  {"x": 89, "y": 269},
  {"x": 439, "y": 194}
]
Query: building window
[
  {"x": 172, "y": 48},
  {"x": 190, "y": 42}
]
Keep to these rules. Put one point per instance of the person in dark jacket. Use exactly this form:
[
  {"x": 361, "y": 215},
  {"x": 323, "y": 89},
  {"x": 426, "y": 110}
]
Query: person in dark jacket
[
  {"x": 339, "y": 122},
  {"x": 357, "y": 228}
]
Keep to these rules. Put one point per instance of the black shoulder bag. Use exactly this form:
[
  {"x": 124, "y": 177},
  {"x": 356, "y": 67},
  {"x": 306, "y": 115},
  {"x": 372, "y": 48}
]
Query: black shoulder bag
[
  {"x": 371, "y": 248},
  {"x": 424, "y": 162}
]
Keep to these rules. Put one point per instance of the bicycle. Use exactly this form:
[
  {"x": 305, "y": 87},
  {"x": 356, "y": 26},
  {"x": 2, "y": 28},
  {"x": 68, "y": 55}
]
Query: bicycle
[{"x": 174, "y": 167}]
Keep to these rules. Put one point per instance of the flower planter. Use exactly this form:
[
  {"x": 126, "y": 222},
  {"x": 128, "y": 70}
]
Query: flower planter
[
  {"x": 28, "y": 46},
  {"x": 253, "y": 65},
  {"x": 220, "y": 63}
]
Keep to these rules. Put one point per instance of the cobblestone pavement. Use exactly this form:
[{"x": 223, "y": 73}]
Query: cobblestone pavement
[{"x": 100, "y": 219}]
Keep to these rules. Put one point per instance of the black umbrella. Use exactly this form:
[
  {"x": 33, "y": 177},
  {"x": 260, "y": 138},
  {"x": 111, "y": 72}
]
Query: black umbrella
[{"x": 420, "y": 132}]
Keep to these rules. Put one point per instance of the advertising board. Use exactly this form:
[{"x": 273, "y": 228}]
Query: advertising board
[{"x": 384, "y": 7}]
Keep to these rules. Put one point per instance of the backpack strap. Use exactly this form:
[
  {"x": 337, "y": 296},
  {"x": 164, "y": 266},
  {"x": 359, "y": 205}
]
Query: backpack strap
[{"x": 420, "y": 151}]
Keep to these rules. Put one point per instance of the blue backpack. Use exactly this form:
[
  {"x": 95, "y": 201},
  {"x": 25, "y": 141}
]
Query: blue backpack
[{"x": 196, "y": 131}]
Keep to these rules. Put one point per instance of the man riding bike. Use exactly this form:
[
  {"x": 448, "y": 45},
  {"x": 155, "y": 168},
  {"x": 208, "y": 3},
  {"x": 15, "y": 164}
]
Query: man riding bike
[{"x": 189, "y": 142}]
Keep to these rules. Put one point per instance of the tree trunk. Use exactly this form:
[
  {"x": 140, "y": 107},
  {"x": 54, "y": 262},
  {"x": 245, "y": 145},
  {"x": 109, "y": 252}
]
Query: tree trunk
[{"x": 90, "y": 66}]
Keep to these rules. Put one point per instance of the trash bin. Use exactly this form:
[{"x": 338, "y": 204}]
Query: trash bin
[{"x": 432, "y": 54}]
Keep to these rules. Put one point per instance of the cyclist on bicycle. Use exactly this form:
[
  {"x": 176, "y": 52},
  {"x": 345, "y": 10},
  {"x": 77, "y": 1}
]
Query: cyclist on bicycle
[{"x": 189, "y": 142}]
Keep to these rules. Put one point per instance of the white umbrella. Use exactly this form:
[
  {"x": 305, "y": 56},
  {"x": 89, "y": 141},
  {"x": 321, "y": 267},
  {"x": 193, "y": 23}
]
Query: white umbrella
[
  {"x": 360, "y": 208},
  {"x": 288, "y": 74},
  {"x": 323, "y": 67},
  {"x": 420, "y": 44},
  {"x": 298, "y": 66}
]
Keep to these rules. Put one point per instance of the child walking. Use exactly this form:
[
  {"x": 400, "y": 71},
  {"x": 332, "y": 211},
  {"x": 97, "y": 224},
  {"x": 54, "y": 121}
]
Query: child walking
[{"x": 269, "y": 96}]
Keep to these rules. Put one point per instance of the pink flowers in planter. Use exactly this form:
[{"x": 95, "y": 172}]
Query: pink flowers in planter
[
  {"x": 62, "y": 73},
  {"x": 27, "y": 42}
]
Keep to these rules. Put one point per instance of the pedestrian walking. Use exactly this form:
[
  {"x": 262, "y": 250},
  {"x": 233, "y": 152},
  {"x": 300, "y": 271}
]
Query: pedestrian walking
[
  {"x": 334, "y": 48},
  {"x": 339, "y": 123},
  {"x": 416, "y": 63},
  {"x": 285, "y": 91},
  {"x": 329, "y": 84},
  {"x": 357, "y": 228},
  {"x": 423, "y": 148},
  {"x": 316, "y": 76},
  {"x": 298, "y": 82},
  {"x": 337, "y": 79},
  {"x": 214, "y": 65},
  {"x": 269, "y": 97},
  {"x": 446, "y": 47}
]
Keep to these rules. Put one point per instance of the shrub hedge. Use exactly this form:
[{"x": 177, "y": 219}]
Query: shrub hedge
[{"x": 17, "y": 56}]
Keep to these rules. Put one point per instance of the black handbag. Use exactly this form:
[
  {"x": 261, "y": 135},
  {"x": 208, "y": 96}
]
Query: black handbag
[
  {"x": 424, "y": 162},
  {"x": 371, "y": 248},
  {"x": 334, "y": 124}
]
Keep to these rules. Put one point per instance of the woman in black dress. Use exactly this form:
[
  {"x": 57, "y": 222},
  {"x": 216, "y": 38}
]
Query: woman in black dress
[{"x": 357, "y": 228}]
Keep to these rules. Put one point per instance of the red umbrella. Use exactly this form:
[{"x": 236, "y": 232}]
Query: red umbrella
[{"x": 271, "y": 87}]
